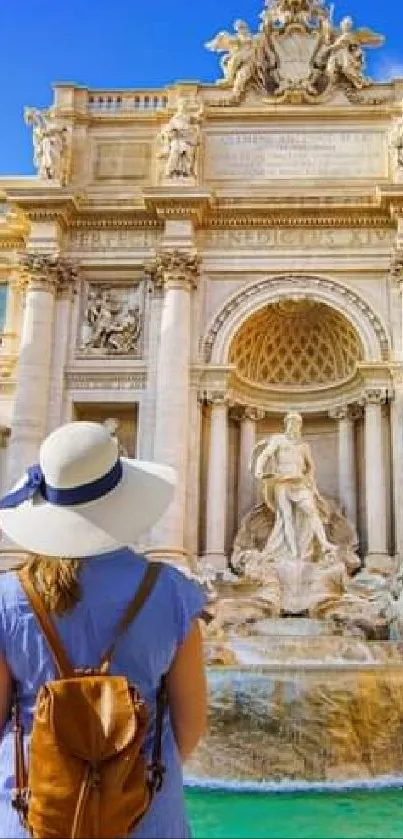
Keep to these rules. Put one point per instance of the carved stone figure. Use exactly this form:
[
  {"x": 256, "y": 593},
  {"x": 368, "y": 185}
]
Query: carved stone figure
[
  {"x": 298, "y": 54},
  {"x": 50, "y": 145},
  {"x": 285, "y": 467},
  {"x": 112, "y": 425},
  {"x": 396, "y": 146},
  {"x": 110, "y": 324},
  {"x": 238, "y": 61},
  {"x": 179, "y": 141}
]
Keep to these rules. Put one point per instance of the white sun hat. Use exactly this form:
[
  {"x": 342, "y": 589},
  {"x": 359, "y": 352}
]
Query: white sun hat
[{"x": 82, "y": 498}]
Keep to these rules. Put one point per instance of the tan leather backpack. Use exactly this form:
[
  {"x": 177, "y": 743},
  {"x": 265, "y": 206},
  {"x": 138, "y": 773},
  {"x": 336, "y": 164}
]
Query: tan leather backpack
[{"x": 87, "y": 777}]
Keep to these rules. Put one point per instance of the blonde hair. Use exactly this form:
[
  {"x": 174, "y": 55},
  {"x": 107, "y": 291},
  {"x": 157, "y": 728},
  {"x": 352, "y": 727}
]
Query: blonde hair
[{"x": 57, "y": 581}]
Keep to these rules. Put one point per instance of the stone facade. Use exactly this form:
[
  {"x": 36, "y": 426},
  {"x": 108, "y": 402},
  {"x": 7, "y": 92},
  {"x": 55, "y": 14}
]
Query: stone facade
[{"x": 196, "y": 261}]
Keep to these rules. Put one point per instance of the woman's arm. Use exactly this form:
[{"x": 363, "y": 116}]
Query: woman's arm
[
  {"x": 187, "y": 693},
  {"x": 5, "y": 692}
]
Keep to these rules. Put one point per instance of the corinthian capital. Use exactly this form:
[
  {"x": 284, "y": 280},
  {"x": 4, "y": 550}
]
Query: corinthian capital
[
  {"x": 47, "y": 272},
  {"x": 175, "y": 269},
  {"x": 396, "y": 267}
]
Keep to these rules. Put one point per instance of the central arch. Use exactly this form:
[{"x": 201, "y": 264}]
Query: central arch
[{"x": 365, "y": 322}]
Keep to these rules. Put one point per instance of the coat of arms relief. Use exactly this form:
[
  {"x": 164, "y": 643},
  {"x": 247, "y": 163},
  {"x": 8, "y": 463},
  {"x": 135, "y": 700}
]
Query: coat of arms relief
[{"x": 298, "y": 55}]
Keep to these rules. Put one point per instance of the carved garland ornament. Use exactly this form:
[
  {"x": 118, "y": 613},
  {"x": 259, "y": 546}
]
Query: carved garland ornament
[{"x": 286, "y": 286}]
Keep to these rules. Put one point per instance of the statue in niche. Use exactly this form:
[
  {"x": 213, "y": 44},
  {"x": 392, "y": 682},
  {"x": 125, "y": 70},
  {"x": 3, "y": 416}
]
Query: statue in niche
[
  {"x": 50, "y": 145},
  {"x": 179, "y": 141},
  {"x": 238, "y": 61},
  {"x": 112, "y": 425},
  {"x": 285, "y": 468},
  {"x": 110, "y": 324}
]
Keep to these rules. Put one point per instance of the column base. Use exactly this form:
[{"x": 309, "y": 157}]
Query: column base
[
  {"x": 379, "y": 563},
  {"x": 172, "y": 556},
  {"x": 218, "y": 561}
]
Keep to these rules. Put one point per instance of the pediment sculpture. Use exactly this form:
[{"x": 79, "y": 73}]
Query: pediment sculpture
[{"x": 298, "y": 55}]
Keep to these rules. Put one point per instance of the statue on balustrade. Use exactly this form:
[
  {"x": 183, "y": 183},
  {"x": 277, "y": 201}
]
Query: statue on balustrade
[
  {"x": 50, "y": 145},
  {"x": 179, "y": 141}
]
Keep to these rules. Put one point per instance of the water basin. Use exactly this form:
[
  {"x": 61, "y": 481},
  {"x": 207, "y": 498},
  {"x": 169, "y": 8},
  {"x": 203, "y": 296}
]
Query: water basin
[{"x": 369, "y": 814}]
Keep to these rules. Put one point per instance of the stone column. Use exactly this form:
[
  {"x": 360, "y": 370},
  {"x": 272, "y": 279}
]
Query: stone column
[
  {"x": 177, "y": 272},
  {"x": 347, "y": 461},
  {"x": 41, "y": 275},
  {"x": 246, "y": 481},
  {"x": 375, "y": 478},
  {"x": 217, "y": 479},
  {"x": 397, "y": 457},
  {"x": 396, "y": 276},
  {"x": 61, "y": 332}
]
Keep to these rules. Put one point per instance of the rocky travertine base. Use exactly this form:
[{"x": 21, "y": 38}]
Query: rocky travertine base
[{"x": 310, "y": 723}]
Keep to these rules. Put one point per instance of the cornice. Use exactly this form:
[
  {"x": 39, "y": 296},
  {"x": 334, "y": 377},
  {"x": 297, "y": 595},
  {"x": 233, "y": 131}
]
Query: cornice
[
  {"x": 43, "y": 203},
  {"x": 178, "y": 203},
  {"x": 296, "y": 218},
  {"x": 96, "y": 221}
]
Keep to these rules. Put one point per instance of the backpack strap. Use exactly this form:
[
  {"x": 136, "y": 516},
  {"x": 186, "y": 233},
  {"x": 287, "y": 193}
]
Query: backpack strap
[
  {"x": 64, "y": 668},
  {"x": 142, "y": 594}
]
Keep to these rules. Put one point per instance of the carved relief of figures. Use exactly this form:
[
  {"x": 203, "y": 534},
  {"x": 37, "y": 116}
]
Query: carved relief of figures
[
  {"x": 50, "y": 145},
  {"x": 297, "y": 55},
  {"x": 179, "y": 141},
  {"x": 112, "y": 323}
]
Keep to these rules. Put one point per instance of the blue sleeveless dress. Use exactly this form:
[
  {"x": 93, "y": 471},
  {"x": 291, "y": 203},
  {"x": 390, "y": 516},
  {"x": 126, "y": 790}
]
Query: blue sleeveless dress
[{"x": 143, "y": 655}]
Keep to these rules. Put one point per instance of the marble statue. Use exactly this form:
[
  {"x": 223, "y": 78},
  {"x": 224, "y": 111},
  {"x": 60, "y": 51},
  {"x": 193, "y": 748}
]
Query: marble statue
[
  {"x": 285, "y": 468},
  {"x": 295, "y": 555},
  {"x": 396, "y": 146},
  {"x": 110, "y": 324},
  {"x": 179, "y": 141},
  {"x": 112, "y": 425},
  {"x": 50, "y": 145},
  {"x": 237, "y": 63},
  {"x": 298, "y": 54}
]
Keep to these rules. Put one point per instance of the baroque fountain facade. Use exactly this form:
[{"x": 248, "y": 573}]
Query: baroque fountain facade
[{"x": 193, "y": 266}]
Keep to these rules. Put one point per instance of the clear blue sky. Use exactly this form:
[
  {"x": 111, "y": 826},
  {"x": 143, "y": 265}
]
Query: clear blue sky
[{"x": 133, "y": 43}]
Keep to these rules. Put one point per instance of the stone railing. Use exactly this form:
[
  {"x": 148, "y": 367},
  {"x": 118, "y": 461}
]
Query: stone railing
[{"x": 125, "y": 101}]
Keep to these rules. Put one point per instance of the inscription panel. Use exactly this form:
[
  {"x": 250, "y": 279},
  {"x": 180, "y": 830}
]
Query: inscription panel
[
  {"x": 279, "y": 155},
  {"x": 122, "y": 161}
]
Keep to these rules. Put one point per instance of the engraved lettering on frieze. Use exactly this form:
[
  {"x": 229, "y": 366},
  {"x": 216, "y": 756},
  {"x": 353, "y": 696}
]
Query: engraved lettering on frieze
[
  {"x": 112, "y": 322},
  {"x": 277, "y": 238},
  {"x": 99, "y": 240},
  {"x": 279, "y": 155}
]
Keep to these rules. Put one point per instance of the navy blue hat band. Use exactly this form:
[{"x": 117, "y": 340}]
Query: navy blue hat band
[{"x": 72, "y": 496}]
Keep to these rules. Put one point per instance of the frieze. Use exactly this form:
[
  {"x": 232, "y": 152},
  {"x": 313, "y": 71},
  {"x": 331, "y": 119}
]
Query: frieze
[
  {"x": 83, "y": 239},
  {"x": 252, "y": 238},
  {"x": 110, "y": 380}
]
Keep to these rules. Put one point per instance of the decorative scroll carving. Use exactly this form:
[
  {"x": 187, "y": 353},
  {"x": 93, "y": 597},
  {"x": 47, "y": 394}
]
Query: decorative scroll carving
[
  {"x": 299, "y": 55},
  {"x": 113, "y": 323},
  {"x": 175, "y": 267},
  {"x": 50, "y": 145},
  {"x": 47, "y": 272},
  {"x": 179, "y": 142}
]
